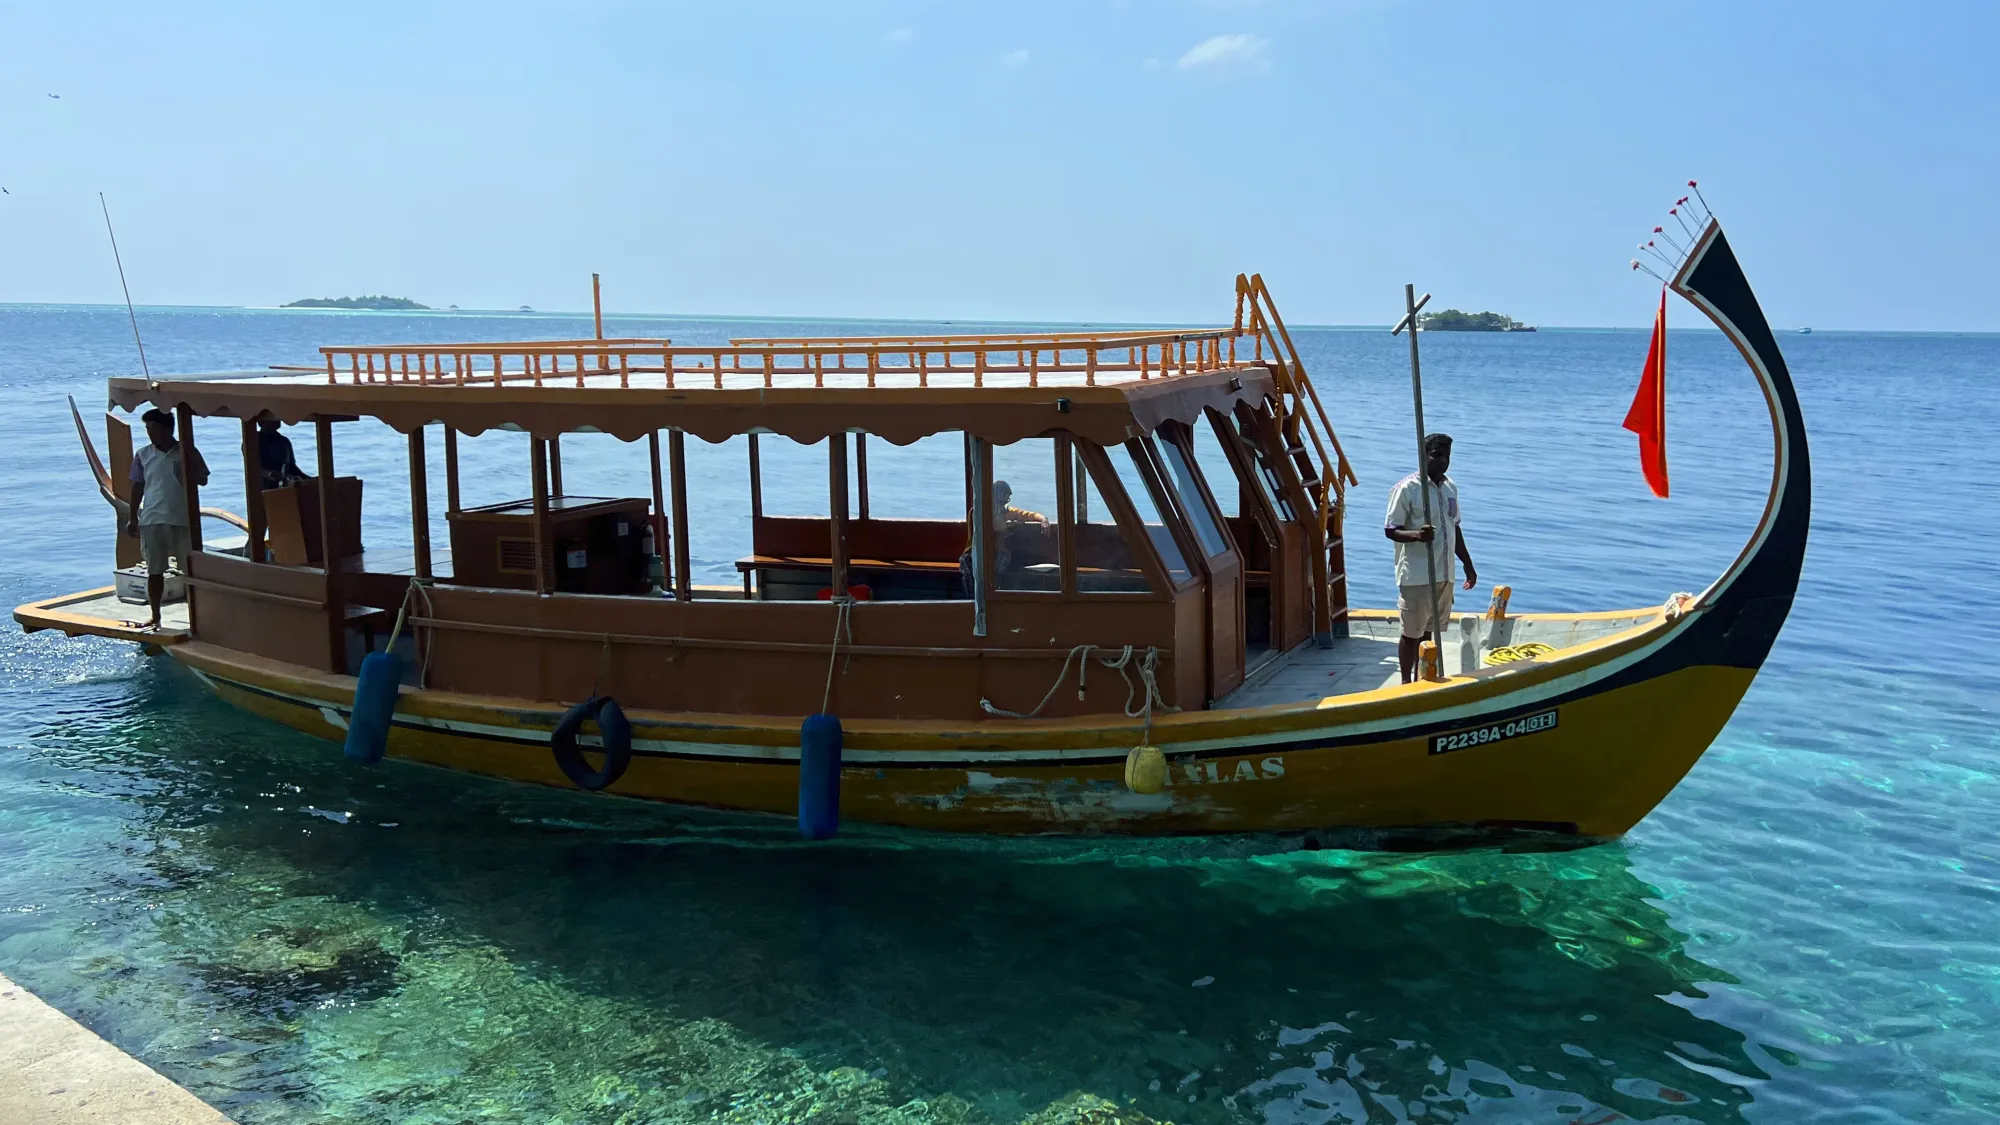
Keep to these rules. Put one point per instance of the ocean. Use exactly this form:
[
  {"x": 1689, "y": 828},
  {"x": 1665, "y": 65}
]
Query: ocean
[{"x": 1808, "y": 928}]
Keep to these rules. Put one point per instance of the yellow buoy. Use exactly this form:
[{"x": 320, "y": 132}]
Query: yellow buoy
[{"x": 1145, "y": 770}]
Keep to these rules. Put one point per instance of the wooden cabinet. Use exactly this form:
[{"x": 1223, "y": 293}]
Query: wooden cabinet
[
  {"x": 291, "y": 514},
  {"x": 592, "y": 545}
]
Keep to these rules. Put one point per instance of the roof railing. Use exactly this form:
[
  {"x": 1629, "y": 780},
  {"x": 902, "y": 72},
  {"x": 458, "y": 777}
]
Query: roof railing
[{"x": 943, "y": 361}]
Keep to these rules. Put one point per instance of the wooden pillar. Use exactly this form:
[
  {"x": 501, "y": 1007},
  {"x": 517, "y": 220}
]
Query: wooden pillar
[
  {"x": 538, "y": 471},
  {"x": 420, "y": 504},
  {"x": 1082, "y": 493},
  {"x": 836, "y": 462},
  {"x": 329, "y": 547},
  {"x": 450, "y": 471},
  {"x": 1066, "y": 513},
  {"x": 982, "y": 530},
  {"x": 659, "y": 504},
  {"x": 861, "y": 474},
  {"x": 555, "y": 465},
  {"x": 253, "y": 493},
  {"x": 756, "y": 489},
  {"x": 677, "y": 456},
  {"x": 184, "y": 423}
]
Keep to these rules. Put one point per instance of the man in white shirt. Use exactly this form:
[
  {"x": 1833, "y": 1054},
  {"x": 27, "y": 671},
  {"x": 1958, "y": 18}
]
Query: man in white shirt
[
  {"x": 1406, "y": 527},
  {"x": 158, "y": 516}
]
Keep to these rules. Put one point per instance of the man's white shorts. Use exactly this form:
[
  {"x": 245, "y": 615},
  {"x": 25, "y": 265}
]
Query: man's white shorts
[
  {"x": 1414, "y": 604},
  {"x": 159, "y": 542}
]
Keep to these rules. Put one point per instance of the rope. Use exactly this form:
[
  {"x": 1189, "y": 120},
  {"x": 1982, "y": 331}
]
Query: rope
[
  {"x": 603, "y": 666},
  {"x": 417, "y": 591},
  {"x": 843, "y": 625},
  {"x": 1148, "y": 679}
]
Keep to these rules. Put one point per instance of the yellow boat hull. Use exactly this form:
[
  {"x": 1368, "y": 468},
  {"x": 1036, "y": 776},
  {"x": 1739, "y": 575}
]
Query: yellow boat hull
[{"x": 1605, "y": 756}]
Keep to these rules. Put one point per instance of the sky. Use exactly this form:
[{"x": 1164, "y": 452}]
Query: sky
[{"x": 1091, "y": 160}]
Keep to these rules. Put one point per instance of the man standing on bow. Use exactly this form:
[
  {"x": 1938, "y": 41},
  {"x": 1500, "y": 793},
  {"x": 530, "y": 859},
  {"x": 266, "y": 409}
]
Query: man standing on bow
[
  {"x": 158, "y": 516},
  {"x": 1426, "y": 610}
]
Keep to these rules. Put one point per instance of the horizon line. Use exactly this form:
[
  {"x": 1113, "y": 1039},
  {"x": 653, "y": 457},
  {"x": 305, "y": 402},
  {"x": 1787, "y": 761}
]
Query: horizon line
[{"x": 796, "y": 318}]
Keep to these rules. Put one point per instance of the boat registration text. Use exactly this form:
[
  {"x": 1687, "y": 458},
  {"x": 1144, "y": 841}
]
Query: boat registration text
[{"x": 1493, "y": 732}]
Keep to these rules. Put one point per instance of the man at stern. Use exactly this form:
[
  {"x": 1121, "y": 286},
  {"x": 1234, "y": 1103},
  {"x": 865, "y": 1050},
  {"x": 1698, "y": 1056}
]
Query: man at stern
[
  {"x": 1421, "y": 546},
  {"x": 158, "y": 516}
]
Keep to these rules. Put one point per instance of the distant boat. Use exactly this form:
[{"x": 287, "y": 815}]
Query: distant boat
[
  {"x": 524, "y": 308},
  {"x": 1805, "y": 331}
]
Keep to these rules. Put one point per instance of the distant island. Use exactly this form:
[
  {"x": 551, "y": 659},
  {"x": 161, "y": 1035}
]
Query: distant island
[
  {"x": 355, "y": 303},
  {"x": 1451, "y": 320}
]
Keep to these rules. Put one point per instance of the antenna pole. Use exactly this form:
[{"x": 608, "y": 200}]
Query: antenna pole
[
  {"x": 1411, "y": 304},
  {"x": 121, "y": 284}
]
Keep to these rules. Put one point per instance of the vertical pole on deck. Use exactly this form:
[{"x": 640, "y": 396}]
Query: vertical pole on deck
[
  {"x": 756, "y": 488},
  {"x": 253, "y": 492},
  {"x": 982, "y": 530},
  {"x": 329, "y": 550},
  {"x": 420, "y": 504},
  {"x": 555, "y": 465},
  {"x": 861, "y": 475},
  {"x": 597, "y": 305},
  {"x": 1082, "y": 493},
  {"x": 184, "y": 423},
  {"x": 451, "y": 507},
  {"x": 329, "y": 546},
  {"x": 836, "y": 464},
  {"x": 677, "y": 454},
  {"x": 538, "y": 471},
  {"x": 660, "y": 547},
  {"x": 1066, "y": 514},
  {"x": 1409, "y": 321}
]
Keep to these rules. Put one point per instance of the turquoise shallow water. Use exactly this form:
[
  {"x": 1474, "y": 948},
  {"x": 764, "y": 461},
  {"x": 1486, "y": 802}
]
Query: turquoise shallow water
[{"x": 1805, "y": 929}]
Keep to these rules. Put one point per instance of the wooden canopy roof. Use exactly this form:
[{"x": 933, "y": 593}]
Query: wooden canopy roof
[{"x": 1104, "y": 387}]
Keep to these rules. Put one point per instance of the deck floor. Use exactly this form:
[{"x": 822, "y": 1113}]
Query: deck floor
[
  {"x": 100, "y": 613},
  {"x": 1362, "y": 661}
]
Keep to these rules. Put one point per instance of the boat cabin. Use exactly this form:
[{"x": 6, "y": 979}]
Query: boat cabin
[{"x": 1084, "y": 522}]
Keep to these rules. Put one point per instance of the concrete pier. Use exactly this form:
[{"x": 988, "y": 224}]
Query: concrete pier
[{"x": 55, "y": 1071}]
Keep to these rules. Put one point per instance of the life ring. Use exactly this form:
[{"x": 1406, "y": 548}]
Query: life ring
[{"x": 612, "y": 728}]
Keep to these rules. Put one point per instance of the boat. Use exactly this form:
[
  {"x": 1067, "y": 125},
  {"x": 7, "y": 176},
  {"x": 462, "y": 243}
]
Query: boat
[
  {"x": 1805, "y": 331},
  {"x": 1140, "y": 662}
]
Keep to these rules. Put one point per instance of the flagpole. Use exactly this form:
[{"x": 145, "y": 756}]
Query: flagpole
[{"x": 1411, "y": 304}]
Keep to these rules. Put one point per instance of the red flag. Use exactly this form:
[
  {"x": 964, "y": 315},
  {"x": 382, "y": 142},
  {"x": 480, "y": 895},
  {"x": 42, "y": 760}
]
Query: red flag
[{"x": 1648, "y": 416}]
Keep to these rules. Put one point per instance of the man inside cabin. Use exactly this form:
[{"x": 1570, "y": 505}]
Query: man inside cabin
[
  {"x": 277, "y": 465},
  {"x": 1425, "y": 609},
  {"x": 1005, "y": 515},
  {"x": 159, "y": 516}
]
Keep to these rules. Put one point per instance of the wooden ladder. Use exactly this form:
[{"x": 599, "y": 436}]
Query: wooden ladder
[{"x": 1310, "y": 442}]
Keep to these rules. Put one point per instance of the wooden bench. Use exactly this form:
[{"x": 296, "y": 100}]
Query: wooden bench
[{"x": 788, "y": 576}]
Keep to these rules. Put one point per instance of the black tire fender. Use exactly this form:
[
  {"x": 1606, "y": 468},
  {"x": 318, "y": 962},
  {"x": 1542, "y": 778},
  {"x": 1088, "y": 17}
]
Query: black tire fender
[{"x": 612, "y": 728}]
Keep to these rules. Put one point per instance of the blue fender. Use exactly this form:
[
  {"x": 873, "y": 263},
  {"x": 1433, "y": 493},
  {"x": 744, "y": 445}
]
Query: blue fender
[
  {"x": 819, "y": 777},
  {"x": 374, "y": 707}
]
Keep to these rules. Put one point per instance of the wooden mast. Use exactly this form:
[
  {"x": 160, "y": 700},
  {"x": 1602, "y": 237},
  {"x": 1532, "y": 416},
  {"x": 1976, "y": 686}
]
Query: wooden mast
[
  {"x": 451, "y": 507},
  {"x": 677, "y": 455},
  {"x": 660, "y": 547},
  {"x": 253, "y": 492},
  {"x": 836, "y": 461},
  {"x": 538, "y": 471},
  {"x": 329, "y": 546},
  {"x": 420, "y": 504}
]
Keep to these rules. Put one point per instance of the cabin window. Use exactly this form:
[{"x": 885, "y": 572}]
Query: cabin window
[
  {"x": 1252, "y": 491},
  {"x": 1150, "y": 501},
  {"x": 1104, "y": 560},
  {"x": 1193, "y": 496},
  {"x": 1026, "y": 554},
  {"x": 1267, "y": 465},
  {"x": 914, "y": 481}
]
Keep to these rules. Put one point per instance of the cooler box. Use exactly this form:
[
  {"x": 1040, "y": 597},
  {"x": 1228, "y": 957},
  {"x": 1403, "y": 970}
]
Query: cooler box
[{"x": 130, "y": 582}]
